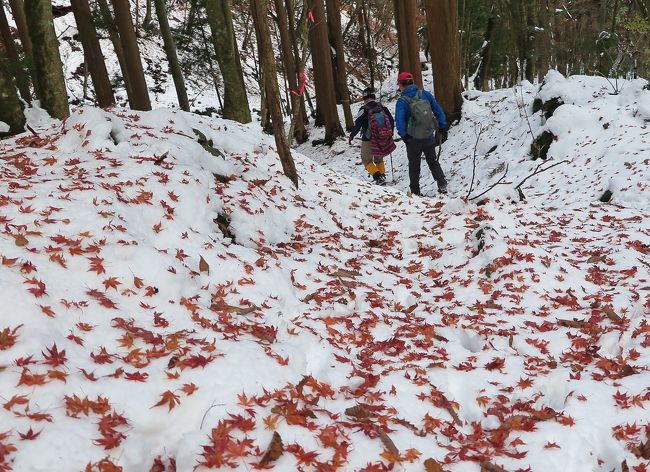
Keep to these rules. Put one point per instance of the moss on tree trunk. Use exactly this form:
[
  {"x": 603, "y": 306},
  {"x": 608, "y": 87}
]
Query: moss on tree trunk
[
  {"x": 47, "y": 62},
  {"x": 235, "y": 101},
  {"x": 11, "y": 111}
]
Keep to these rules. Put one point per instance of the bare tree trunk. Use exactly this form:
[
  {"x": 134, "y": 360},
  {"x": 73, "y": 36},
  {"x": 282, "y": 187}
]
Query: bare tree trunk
[
  {"x": 136, "y": 24},
  {"x": 147, "y": 21},
  {"x": 287, "y": 38},
  {"x": 113, "y": 33},
  {"x": 442, "y": 22},
  {"x": 323, "y": 73},
  {"x": 412, "y": 43},
  {"x": 132, "y": 55},
  {"x": 265, "y": 110},
  {"x": 267, "y": 61},
  {"x": 213, "y": 73},
  {"x": 485, "y": 56},
  {"x": 543, "y": 46},
  {"x": 191, "y": 17},
  {"x": 531, "y": 40},
  {"x": 402, "y": 42},
  {"x": 407, "y": 39},
  {"x": 49, "y": 70},
  {"x": 334, "y": 27},
  {"x": 11, "y": 52},
  {"x": 369, "y": 50},
  {"x": 11, "y": 111},
  {"x": 93, "y": 56},
  {"x": 18, "y": 12},
  {"x": 172, "y": 57},
  {"x": 235, "y": 106},
  {"x": 299, "y": 32}
]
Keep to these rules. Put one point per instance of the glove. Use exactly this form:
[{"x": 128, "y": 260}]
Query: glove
[
  {"x": 350, "y": 139},
  {"x": 441, "y": 136}
]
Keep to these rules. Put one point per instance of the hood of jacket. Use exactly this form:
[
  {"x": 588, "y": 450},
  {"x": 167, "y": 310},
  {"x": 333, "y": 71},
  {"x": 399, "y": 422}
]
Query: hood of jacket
[{"x": 410, "y": 91}]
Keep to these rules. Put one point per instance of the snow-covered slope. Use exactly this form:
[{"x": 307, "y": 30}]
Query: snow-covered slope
[{"x": 166, "y": 309}]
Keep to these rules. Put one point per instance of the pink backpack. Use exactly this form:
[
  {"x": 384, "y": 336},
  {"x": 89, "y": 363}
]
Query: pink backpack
[{"x": 381, "y": 132}]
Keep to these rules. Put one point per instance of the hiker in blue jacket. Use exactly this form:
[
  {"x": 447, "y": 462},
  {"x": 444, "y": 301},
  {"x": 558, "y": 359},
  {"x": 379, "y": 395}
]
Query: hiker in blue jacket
[{"x": 418, "y": 117}]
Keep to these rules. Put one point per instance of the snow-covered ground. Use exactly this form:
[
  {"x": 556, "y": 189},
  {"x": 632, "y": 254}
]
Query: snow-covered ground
[{"x": 163, "y": 308}]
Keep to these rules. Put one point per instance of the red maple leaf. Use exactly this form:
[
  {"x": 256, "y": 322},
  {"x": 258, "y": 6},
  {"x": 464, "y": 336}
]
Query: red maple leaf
[
  {"x": 96, "y": 265},
  {"x": 496, "y": 363},
  {"x": 189, "y": 388},
  {"x": 111, "y": 282},
  {"x": 54, "y": 357},
  {"x": 168, "y": 398},
  {"x": 30, "y": 435},
  {"x": 15, "y": 400},
  {"x": 39, "y": 288},
  {"x": 8, "y": 337}
]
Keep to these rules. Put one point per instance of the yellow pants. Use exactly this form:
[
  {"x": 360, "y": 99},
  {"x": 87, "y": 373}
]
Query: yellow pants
[{"x": 371, "y": 163}]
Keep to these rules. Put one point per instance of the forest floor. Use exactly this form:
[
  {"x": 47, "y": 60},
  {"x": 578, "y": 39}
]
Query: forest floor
[{"x": 164, "y": 308}]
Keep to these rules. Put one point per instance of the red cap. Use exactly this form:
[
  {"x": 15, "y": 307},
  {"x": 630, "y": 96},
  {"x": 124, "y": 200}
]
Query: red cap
[{"x": 404, "y": 76}]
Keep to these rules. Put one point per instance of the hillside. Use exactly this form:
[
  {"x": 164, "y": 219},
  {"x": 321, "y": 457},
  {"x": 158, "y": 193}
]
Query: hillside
[{"x": 168, "y": 308}]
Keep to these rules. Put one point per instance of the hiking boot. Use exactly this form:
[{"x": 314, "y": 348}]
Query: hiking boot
[
  {"x": 442, "y": 189},
  {"x": 379, "y": 178}
]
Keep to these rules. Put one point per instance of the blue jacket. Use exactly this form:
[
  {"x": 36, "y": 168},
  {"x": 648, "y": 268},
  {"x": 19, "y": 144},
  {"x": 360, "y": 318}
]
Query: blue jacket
[{"x": 403, "y": 111}]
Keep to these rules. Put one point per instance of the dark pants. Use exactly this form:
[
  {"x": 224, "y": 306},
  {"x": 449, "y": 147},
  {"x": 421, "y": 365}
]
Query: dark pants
[{"x": 414, "y": 150}]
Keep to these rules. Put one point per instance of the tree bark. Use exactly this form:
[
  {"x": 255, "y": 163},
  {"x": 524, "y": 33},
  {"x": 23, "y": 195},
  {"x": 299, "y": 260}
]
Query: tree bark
[
  {"x": 113, "y": 33},
  {"x": 22, "y": 81},
  {"x": 191, "y": 18},
  {"x": 407, "y": 39},
  {"x": 93, "y": 55},
  {"x": 299, "y": 32},
  {"x": 146, "y": 22},
  {"x": 265, "y": 110},
  {"x": 323, "y": 73},
  {"x": 235, "y": 106},
  {"x": 402, "y": 42},
  {"x": 442, "y": 22},
  {"x": 369, "y": 50},
  {"x": 267, "y": 62},
  {"x": 412, "y": 43},
  {"x": 129, "y": 42},
  {"x": 11, "y": 111},
  {"x": 18, "y": 12},
  {"x": 47, "y": 62},
  {"x": 480, "y": 79},
  {"x": 172, "y": 57},
  {"x": 336, "y": 36},
  {"x": 287, "y": 38}
]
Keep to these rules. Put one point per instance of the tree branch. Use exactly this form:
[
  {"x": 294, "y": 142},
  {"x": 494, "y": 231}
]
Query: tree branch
[
  {"x": 478, "y": 138},
  {"x": 535, "y": 172},
  {"x": 491, "y": 186}
]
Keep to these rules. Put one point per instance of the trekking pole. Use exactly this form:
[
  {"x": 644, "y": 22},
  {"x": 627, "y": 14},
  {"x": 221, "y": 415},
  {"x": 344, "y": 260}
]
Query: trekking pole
[{"x": 392, "y": 172}]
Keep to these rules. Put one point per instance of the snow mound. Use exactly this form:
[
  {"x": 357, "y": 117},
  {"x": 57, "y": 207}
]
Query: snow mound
[{"x": 167, "y": 307}]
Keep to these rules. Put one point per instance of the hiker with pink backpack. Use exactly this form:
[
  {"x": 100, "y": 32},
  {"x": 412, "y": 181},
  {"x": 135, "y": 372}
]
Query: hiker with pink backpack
[{"x": 376, "y": 125}]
